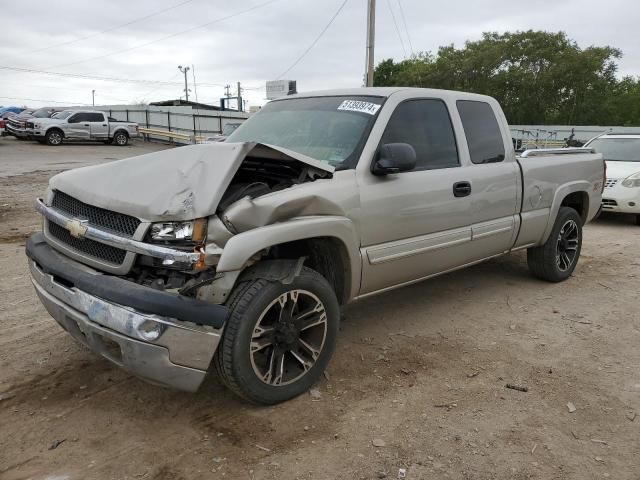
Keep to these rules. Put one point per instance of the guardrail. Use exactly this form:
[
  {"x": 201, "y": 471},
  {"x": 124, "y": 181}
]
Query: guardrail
[{"x": 147, "y": 133}]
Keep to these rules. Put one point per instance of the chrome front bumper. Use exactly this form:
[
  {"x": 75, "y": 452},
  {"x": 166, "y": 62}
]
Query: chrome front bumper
[{"x": 177, "y": 357}]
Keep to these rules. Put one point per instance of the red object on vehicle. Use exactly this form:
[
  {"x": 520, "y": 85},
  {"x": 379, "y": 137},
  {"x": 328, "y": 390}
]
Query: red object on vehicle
[{"x": 2, "y": 124}]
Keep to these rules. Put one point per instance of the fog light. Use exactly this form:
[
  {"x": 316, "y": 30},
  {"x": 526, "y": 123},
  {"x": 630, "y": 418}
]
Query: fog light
[
  {"x": 150, "y": 330},
  {"x": 632, "y": 204}
]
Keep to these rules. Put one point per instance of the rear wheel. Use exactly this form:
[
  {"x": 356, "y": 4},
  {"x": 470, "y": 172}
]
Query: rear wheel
[
  {"x": 121, "y": 139},
  {"x": 637, "y": 219},
  {"x": 556, "y": 259},
  {"x": 53, "y": 137},
  {"x": 279, "y": 337}
]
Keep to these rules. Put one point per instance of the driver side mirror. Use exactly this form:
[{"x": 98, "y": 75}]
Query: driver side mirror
[{"x": 394, "y": 158}]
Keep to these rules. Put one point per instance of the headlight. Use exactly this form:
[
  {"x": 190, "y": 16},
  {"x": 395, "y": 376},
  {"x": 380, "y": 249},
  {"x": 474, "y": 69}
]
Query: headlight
[
  {"x": 632, "y": 181},
  {"x": 193, "y": 231}
]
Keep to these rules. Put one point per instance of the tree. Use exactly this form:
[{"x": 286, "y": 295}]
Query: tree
[{"x": 538, "y": 77}]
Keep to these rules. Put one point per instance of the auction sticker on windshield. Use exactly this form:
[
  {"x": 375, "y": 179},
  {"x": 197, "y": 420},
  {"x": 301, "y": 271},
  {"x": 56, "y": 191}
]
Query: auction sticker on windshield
[{"x": 359, "y": 106}]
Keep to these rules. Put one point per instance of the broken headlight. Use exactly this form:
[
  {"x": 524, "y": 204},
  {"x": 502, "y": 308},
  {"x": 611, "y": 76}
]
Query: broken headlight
[{"x": 193, "y": 231}]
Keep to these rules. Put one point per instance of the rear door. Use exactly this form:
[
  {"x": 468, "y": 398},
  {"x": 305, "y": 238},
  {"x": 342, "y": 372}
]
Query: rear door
[
  {"x": 494, "y": 176},
  {"x": 78, "y": 127},
  {"x": 99, "y": 127}
]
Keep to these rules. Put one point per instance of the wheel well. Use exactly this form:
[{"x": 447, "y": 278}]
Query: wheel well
[
  {"x": 121, "y": 131},
  {"x": 579, "y": 201},
  {"x": 57, "y": 130},
  {"x": 326, "y": 255}
]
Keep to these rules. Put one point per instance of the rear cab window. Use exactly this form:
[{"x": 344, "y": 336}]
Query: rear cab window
[{"x": 482, "y": 131}]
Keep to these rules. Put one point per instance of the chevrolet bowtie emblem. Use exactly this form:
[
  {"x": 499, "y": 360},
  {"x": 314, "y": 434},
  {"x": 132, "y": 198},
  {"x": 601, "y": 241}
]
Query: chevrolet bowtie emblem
[{"x": 77, "y": 228}]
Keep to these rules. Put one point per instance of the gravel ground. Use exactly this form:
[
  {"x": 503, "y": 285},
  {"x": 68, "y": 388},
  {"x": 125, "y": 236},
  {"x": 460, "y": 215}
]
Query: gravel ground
[{"x": 417, "y": 381}]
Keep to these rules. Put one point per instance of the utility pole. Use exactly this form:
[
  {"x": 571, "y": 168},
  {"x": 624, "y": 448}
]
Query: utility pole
[
  {"x": 186, "y": 87},
  {"x": 371, "y": 36},
  {"x": 227, "y": 91},
  {"x": 240, "y": 109},
  {"x": 93, "y": 97}
]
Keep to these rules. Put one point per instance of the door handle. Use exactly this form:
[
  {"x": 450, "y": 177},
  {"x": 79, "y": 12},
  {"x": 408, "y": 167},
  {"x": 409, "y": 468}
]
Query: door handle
[
  {"x": 104, "y": 124},
  {"x": 86, "y": 125},
  {"x": 461, "y": 189}
]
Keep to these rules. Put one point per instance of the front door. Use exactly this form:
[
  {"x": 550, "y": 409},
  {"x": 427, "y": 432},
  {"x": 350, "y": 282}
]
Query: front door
[
  {"x": 416, "y": 224},
  {"x": 78, "y": 127}
]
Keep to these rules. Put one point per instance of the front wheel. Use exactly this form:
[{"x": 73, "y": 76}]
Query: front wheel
[
  {"x": 53, "y": 137},
  {"x": 556, "y": 259},
  {"x": 279, "y": 337}
]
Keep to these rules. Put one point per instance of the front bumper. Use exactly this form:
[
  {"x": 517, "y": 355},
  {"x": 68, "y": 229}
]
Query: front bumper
[
  {"x": 16, "y": 132},
  {"x": 621, "y": 199},
  {"x": 107, "y": 323}
]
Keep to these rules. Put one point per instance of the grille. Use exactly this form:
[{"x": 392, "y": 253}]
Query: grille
[
  {"x": 96, "y": 250},
  {"x": 98, "y": 217},
  {"x": 608, "y": 203},
  {"x": 610, "y": 182}
]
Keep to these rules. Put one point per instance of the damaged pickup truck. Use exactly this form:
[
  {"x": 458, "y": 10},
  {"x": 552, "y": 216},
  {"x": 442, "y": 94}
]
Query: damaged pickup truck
[{"x": 239, "y": 255}]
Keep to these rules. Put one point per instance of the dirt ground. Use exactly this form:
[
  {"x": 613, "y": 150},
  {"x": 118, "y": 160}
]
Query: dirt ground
[{"x": 420, "y": 372}]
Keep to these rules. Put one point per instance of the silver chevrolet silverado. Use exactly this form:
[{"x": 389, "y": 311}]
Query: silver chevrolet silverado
[
  {"x": 81, "y": 125},
  {"x": 239, "y": 255}
]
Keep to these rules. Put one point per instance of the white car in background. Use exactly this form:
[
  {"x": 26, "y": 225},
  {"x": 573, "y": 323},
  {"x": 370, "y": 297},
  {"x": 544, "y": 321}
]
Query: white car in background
[{"x": 622, "y": 187}]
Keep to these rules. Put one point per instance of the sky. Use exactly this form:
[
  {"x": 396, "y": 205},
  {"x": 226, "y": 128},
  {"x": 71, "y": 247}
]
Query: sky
[{"x": 252, "y": 41}]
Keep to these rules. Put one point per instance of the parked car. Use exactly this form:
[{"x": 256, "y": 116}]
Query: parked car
[
  {"x": 17, "y": 126},
  {"x": 81, "y": 125},
  {"x": 240, "y": 254},
  {"x": 6, "y": 111},
  {"x": 622, "y": 187}
]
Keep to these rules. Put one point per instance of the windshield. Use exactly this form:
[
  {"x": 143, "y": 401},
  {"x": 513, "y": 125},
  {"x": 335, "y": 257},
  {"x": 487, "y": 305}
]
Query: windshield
[
  {"x": 42, "y": 113},
  {"x": 62, "y": 115},
  {"x": 617, "y": 149},
  {"x": 329, "y": 129}
]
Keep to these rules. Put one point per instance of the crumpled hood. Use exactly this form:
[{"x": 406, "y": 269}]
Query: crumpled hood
[
  {"x": 177, "y": 184},
  {"x": 621, "y": 170}
]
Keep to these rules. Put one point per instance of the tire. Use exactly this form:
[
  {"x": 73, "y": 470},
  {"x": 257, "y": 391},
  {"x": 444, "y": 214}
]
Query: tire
[
  {"x": 54, "y": 137},
  {"x": 255, "y": 359},
  {"x": 121, "y": 139},
  {"x": 555, "y": 260},
  {"x": 638, "y": 220}
]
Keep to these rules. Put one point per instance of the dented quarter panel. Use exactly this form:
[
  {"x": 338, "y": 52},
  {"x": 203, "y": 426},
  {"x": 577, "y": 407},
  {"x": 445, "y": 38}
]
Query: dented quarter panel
[{"x": 335, "y": 196}]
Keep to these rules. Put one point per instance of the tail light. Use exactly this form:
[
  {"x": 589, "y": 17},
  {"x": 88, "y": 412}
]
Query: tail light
[
  {"x": 2, "y": 124},
  {"x": 604, "y": 178},
  {"x": 137, "y": 128}
]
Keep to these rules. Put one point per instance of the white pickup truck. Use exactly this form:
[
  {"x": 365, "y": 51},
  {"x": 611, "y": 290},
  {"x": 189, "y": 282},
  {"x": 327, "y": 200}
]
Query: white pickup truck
[
  {"x": 81, "y": 125},
  {"x": 239, "y": 255}
]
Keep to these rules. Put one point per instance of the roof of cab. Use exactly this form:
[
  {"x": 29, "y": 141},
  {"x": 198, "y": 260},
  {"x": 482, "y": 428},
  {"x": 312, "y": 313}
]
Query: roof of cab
[{"x": 386, "y": 92}]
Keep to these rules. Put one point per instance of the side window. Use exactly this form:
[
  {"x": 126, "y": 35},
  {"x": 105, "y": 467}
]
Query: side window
[
  {"x": 482, "y": 131},
  {"x": 77, "y": 118},
  {"x": 426, "y": 126},
  {"x": 95, "y": 117}
]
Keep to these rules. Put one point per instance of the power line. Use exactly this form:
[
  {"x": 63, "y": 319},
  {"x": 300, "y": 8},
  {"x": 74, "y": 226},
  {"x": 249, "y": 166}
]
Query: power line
[
  {"x": 111, "y": 29},
  {"x": 47, "y": 101},
  {"x": 217, "y": 20},
  {"x": 313, "y": 44},
  {"x": 100, "y": 78},
  {"x": 404, "y": 21},
  {"x": 395, "y": 24}
]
